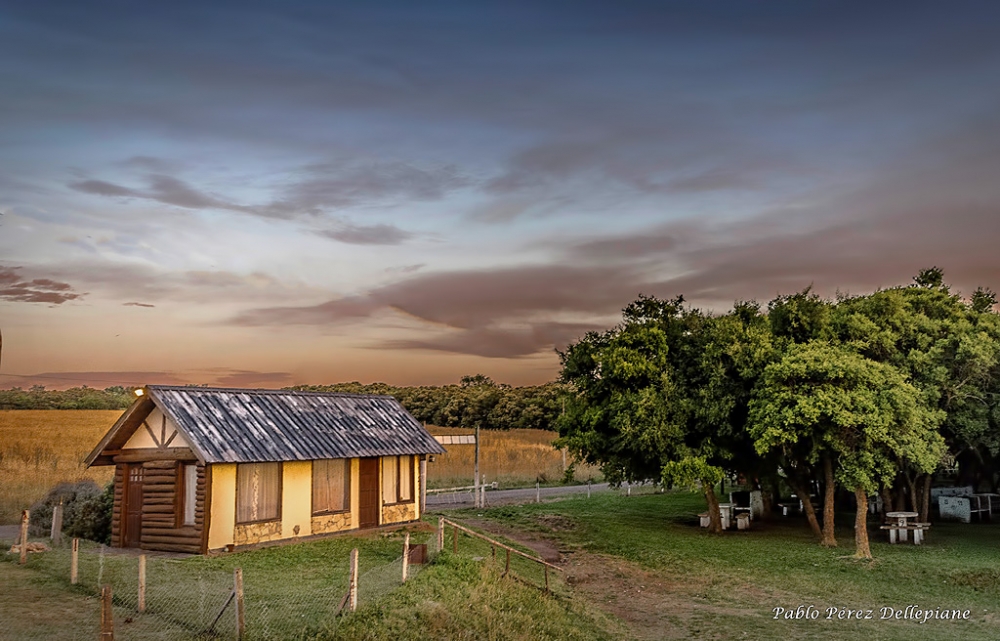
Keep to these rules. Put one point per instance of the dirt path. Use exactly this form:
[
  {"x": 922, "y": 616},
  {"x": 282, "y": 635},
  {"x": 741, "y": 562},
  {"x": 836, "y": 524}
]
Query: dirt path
[{"x": 653, "y": 604}]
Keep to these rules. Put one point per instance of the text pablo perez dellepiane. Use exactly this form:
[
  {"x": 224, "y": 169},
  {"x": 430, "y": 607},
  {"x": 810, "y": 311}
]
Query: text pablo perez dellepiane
[{"x": 886, "y": 613}]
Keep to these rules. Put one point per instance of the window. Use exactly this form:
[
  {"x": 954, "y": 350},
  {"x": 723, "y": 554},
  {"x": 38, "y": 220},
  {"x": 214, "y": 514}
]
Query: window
[
  {"x": 331, "y": 486},
  {"x": 397, "y": 479},
  {"x": 258, "y": 492},
  {"x": 189, "y": 486}
]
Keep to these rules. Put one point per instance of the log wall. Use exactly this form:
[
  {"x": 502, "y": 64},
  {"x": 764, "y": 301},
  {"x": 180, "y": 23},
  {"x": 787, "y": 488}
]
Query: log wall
[
  {"x": 162, "y": 513},
  {"x": 116, "y": 514},
  {"x": 161, "y": 506}
]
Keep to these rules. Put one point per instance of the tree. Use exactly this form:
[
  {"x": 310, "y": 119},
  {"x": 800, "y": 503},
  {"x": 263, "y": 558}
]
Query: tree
[
  {"x": 663, "y": 395},
  {"x": 863, "y": 412}
]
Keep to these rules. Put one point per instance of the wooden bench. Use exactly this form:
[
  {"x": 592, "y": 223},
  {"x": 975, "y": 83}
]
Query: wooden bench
[{"x": 916, "y": 528}]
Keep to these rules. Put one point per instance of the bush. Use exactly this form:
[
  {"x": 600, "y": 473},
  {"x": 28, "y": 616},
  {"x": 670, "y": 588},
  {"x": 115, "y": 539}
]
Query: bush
[{"x": 86, "y": 511}]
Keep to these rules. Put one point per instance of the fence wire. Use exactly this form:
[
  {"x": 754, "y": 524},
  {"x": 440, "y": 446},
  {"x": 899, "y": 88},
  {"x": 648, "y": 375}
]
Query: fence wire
[{"x": 192, "y": 598}]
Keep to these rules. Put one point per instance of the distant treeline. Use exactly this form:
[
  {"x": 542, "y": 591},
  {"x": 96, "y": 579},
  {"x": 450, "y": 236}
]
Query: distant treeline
[
  {"x": 76, "y": 398},
  {"x": 477, "y": 400}
]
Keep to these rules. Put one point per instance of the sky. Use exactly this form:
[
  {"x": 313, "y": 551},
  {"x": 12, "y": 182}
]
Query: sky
[{"x": 258, "y": 194}]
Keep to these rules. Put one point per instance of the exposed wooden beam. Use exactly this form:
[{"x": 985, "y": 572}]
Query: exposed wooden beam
[{"x": 141, "y": 454}]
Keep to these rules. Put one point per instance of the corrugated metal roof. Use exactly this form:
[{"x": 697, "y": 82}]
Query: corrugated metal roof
[{"x": 242, "y": 425}]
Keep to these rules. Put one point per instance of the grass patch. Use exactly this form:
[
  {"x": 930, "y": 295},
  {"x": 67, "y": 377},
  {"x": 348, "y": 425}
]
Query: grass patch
[
  {"x": 743, "y": 576},
  {"x": 458, "y": 598}
]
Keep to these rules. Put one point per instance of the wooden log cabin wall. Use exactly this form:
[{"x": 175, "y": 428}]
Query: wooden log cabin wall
[{"x": 162, "y": 518}]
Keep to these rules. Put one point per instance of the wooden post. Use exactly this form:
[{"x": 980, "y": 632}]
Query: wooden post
[
  {"x": 475, "y": 473},
  {"x": 506, "y": 568},
  {"x": 406, "y": 555},
  {"x": 493, "y": 550},
  {"x": 352, "y": 588},
  {"x": 142, "y": 583},
  {"x": 241, "y": 623},
  {"x": 423, "y": 484},
  {"x": 24, "y": 537},
  {"x": 107, "y": 615},
  {"x": 454, "y": 540},
  {"x": 628, "y": 491},
  {"x": 440, "y": 536},
  {"x": 588, "y": 488},
  {"x": 546, "y": 577},
  {"x": 74, "y": 563},
  {"x": 57, "y": 519},
  {"x": 538, "y": 493}
]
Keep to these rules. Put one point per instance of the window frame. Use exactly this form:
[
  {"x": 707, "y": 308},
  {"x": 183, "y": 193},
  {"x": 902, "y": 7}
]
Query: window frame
[
  {"x": 281, "y": 481},
  {"x": 399, "y": 474},
  {"x": 181, "y": 489},
  {"x": 348, "y": 467}
]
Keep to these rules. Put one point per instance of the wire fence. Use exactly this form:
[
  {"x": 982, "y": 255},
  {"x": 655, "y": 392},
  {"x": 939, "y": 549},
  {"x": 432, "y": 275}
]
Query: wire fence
[{"x": 166, "y": 597}]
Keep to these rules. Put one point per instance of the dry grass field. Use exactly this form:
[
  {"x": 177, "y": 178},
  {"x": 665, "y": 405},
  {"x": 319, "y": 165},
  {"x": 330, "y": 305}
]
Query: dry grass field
[
  {"x": 40, "y": 448},
  {"x": 511, "y": 458}
]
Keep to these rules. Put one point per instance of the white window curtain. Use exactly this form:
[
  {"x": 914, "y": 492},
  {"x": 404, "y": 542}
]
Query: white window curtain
[
  {"x": 258, "y": 492},
  {"x": 331, "y": 485}
]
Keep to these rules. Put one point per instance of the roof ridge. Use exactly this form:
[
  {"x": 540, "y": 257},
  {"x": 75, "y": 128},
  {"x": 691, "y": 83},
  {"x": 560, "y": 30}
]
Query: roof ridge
[{"x": 245, "y": 390}]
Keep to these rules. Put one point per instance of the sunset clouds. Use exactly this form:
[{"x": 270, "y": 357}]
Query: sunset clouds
[{"x": 310, "y": 192}]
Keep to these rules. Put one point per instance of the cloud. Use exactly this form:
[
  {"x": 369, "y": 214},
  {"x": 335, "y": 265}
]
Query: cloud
[
  {"x": 160, "y": 188},
  {"x": 380, "y": 234},
  {"x": 14, "y": 288},
  {"x": 499, "y": 343},
  {"x": 250, "y": 378},
  {"x": 96, "y": 379},
  {"x": 133, "y": 304},
  {"x": 337, "y": 185}
]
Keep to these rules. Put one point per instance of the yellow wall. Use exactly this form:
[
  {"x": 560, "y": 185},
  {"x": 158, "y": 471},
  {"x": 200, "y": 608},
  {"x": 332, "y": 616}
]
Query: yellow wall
[
  {"x": 296, "y": 498},
  {"x": 296, "y": 507},
  {"x": 223, "y": 505}
]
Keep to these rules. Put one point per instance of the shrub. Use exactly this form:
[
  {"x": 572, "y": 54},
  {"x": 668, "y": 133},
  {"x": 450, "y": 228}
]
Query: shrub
[{"x": 86, "y": 511}]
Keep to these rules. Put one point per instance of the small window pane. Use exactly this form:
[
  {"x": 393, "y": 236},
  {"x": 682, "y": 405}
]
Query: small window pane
[
  {"x": 190, "y": 492},
  {"x": 258, "y": 492},
  {"x": 390, "y": 477},
  {"x": 405, "y": 478},
  {"x": 331, "y": 485}
]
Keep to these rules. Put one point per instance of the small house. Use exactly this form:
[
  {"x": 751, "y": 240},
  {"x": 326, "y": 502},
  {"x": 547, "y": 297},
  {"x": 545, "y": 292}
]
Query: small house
[{"x": 201, "y": 469}]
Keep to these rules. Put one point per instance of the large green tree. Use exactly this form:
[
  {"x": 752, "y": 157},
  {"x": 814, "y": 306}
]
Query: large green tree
[{"x": 863, "y": 412}]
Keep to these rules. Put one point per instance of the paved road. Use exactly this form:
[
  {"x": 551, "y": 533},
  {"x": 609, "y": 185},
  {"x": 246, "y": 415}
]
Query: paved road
[{"x": 508, "y": 497}]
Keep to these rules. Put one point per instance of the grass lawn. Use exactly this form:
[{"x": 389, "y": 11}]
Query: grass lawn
[{"x": 644, "y": 559}]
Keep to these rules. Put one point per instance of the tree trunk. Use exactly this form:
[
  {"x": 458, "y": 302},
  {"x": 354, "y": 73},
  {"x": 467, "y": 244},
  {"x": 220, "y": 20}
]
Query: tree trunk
[
  {"x": 807, "y": 506},
  {"x": 829, "y": 538},
  {"x": 900, "y": 495},
  {"x": 714, "y": 516},
  {"x": 914, "y": 496},
  {"x": 767, "y": 491},
  {"x": 886, "y": 501},
  {"x": 925, "y": 500},
  {"x": 863, "y": 551}
]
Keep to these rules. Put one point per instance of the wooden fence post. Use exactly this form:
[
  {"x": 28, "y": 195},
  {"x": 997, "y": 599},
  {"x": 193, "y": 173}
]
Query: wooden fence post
[
  {"x": 352, "y": 589},
  {"x": 142, "y": 583},
  {"x": 57, "y": 519},
  {"x": 454, "y": 540},
  {"x": 588, "y": 488},
  {"x": 546, "y": 577},
  {"x": 506, "y": 568},
  {"x": 240, "y": 606},
  {"x": 406, "y": 555},
  {"x": 24, "y": 537},
  {"x": 440, "y": 537},
  {"x": 74, "y": 564},
  {"x": 107, "y": 615},
  {"x": 538, "y": 493}
]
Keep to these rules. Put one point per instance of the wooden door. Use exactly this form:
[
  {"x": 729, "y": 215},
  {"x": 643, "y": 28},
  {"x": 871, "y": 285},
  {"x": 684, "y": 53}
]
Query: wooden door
[
  {"x": 132, "y": 508},
  {"x": 369, "y": 493}
]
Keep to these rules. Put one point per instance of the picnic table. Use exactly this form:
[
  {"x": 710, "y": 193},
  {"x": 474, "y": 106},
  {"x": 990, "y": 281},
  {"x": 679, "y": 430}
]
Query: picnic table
[
  {"x": 899, "y": 527},
  {"x": 725, "y": 511}
]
